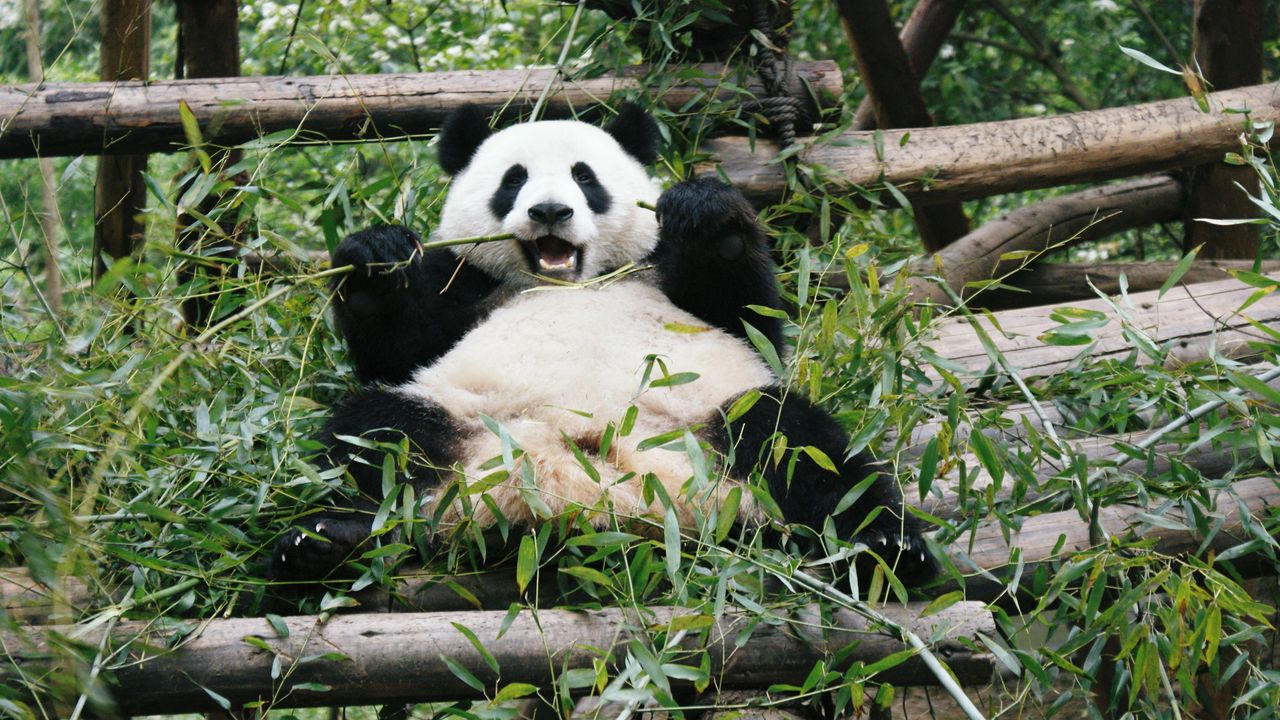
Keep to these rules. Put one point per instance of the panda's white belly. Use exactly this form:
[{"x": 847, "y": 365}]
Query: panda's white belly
[{"x": 565, "y": 363}]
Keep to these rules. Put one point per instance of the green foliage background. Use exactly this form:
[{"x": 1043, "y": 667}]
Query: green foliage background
[{"x": 156, "y": 467}]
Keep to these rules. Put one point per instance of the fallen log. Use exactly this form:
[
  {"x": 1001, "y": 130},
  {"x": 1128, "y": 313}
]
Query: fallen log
[
  {"x": 993, "y": 550},
  {"x": 1053, "y": 223},
  {"x": 1184, "y": 322},
  {"x": 127, "y": 117},
  {"x": 407, "y": 657},
  {"x": 962, "y": 162}
]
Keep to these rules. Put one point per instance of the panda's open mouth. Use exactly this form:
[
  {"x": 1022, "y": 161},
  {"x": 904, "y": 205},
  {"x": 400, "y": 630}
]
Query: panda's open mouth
[{"x": 552, "y": 255}]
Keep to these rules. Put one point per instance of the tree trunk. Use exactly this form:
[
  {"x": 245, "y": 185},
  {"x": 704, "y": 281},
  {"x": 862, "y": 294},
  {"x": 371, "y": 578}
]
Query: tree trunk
[
  {"x": 50, "y": 215},
  {"x": 922, "y": 37},
  {"x": 119, "y": 195},
  {"x": 1227, "y": 43},
  {"x": 210, "y": 48},
  {"x": 894, "y": 91},
  {"x": 961, "y": 162},
  {"x": 92, "y": 118},
  {"x": 401, "y": 657}
]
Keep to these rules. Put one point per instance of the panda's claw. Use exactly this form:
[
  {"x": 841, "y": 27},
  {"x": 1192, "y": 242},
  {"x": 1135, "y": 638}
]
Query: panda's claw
[{"x": 303, "y": 555}]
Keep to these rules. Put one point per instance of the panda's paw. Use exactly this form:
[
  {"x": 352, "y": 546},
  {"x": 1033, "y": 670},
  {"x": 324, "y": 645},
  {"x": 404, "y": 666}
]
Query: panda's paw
[
  {"x": 709, "y": 216},
  {"x": 378, "y": 252},
  {"x": 905, "y": 550},
  {"x": 314, "y": 553}
]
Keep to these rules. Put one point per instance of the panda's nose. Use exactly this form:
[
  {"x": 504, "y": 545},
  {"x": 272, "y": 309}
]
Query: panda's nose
[{"x": 549, "y": 213}]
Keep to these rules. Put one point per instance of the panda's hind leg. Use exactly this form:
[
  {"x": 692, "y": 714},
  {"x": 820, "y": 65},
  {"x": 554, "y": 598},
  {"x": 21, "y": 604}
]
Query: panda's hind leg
[
  {"x": 320, "y": 543},
  {"x": 808, "y": 493}
]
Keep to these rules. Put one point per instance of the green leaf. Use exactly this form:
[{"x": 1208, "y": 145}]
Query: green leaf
[
  {"x": 589, "y": 574},
  {"x": 1149, "y": 61},
  {"x": 942, "y": 602},
  {"x": 277, "y": 623},
  {"x": 680, "y": 378},
  {"x": 671, "y": 540},
  {"x": 514, "y": 691},
  {"x": 463, "y": 674},
  {"x": 526, "y": 562},
  {"x": 728, "y": 513},
  {"x": 487, "y": 656},
  {"x": 745, "y": 402},
  {"x": 1179, "y": 270},
  {"x": 928, "y": 467},
  {"x": 764, "y": 347},
  {"x": 820, "y": 458}
]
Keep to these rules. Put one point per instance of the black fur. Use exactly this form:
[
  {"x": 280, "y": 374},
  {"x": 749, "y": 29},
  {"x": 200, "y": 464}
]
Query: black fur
[
  {"x": 400, "y": 310},
  {"x": 460, "y": 135},
  {"x": 597, "y": 196},
  {"x": 504, "y": 198},
  {"x": 807, "y": 494},
  {"x": 380, "y": 415},
  {"x": 636, "y": 132},
  {"x": 713, "y": 257}
]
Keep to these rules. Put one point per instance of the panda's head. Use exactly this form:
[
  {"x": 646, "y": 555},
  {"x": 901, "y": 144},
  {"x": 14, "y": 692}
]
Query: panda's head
[{"x": 566, "y": 190}]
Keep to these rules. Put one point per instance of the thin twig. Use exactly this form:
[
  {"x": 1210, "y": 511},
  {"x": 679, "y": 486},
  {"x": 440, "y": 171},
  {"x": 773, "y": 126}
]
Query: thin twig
[{"x": 564, "y": 57}]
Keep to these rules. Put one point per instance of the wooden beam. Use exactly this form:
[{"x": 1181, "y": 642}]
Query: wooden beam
[
  {"x": 1184, "y": 322},
  {"x": 93, "y": 118},
  {"x": 1227, "y": 43},
  {"x": 119, "y": 194},
  {"x": 894, "y": 90},
  {"x": 961, "y": 162},
  {"x": 401, "y": 657},
  {"x": 1050, "y": 224}
]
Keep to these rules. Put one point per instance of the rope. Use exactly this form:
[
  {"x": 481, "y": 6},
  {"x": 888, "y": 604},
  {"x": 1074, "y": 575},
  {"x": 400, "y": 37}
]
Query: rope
[{"x": 777, "y": 105}]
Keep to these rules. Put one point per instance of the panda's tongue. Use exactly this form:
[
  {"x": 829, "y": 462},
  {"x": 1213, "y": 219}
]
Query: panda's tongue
[{"x": 556, "y": 254}]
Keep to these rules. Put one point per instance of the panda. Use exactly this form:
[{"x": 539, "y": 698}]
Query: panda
[{"x": 600, "y": 325}]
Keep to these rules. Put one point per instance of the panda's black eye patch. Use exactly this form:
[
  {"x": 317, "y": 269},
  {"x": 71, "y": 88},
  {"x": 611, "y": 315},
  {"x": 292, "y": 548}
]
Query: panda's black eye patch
[
  {"x": 504, "y": 198},
  {"x": 597, "y": 197}
]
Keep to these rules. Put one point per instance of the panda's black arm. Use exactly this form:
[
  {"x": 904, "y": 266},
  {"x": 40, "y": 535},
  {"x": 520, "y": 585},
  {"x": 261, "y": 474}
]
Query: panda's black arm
[
  {"x": 381, "y": 415},
  {"x": 713, "y": 259},
  {"x": 807, "y": 494},
  {"x": 401, "y": 309}
]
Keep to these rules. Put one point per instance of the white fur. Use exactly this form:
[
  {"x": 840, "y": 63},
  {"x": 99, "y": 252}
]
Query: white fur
[
  {"x": 548, "y": 150},
  {"x": 571, "y": 360}
]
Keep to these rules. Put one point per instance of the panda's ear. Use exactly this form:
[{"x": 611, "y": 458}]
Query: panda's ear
[
  {"x": 636, "y": 132},
  {"x": 462, "y": 132}
]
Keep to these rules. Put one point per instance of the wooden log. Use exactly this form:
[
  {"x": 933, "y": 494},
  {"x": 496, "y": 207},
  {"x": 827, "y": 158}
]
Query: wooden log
[
  {"x": 962, "y": 162},
  {"x": 1054, "y": 284},
  {"x": 946, "y": 499},
  {"x": 399, "y": 658},
  {"x": 119, "y": 195},
  {"x": 92, "y": 118},
  {"x": 894, "y": 90},
  {"x": 1226, "y": 41},
  {"x": 988, "y": 554},
  {"x": 1184, "y": 322},
  {"x": 1010, "y": 424},
  {"x": 922, "y": 37},
  {"x": 1053, "y": 223}
]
